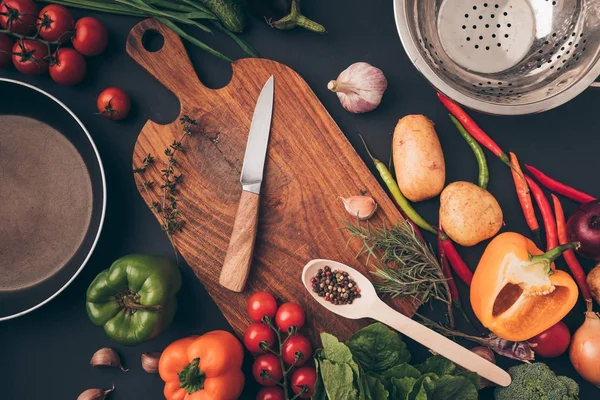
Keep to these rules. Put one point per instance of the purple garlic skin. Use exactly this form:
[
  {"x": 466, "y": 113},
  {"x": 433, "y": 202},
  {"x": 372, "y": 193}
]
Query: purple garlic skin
[{"x": 359, "y": 87}]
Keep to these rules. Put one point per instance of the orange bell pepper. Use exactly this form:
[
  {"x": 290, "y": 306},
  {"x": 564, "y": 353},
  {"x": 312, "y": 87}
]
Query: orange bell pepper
[
  {"x": 516, "y": 293},
  {"x": 204, "y": 367}
]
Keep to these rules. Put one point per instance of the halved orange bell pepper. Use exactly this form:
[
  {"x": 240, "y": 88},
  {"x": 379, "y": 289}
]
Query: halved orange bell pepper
[
  {"x": 516, "y": 293},
  {"x": 204, "y": 367}
]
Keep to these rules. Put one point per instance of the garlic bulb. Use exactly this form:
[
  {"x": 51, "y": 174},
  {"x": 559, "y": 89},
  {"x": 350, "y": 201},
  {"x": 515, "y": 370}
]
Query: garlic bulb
[
  {"x": 361, "y": 207},
  {"x": 360, "y": 87}
]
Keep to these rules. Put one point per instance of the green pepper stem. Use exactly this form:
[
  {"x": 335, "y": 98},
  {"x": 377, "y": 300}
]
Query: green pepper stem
[
  {"x": 191, "y": 378},
  {"x": 295, "y": 18},
  {"x": 129, "y": 303},
  {"x": 551, "y": 255}
]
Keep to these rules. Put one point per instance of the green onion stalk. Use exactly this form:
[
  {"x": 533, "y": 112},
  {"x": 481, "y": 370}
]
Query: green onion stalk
[{"x": 171, "y": 13}]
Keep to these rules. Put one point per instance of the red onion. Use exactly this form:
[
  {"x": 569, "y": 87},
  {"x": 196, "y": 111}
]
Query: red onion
[{"x": 584, "y": 227}]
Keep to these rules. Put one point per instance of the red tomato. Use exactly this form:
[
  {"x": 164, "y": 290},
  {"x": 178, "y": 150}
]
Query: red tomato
[
  {"x": 113, "y": 103},
  {"x": 56, "y": 23},
  {"x": 30, "y": 57},
  {"x": 297, "y": 346},
  {"x": 261, "y": 304},
  {"x": 553, "y": 342},
  {"x": 20, "y": 16},
  {"x": 303, "y": 381},
  {"x": 270, "y": 393},
  {"x": 67, "y": 67},
  {"x": 256, "y": 334},
  {"x": 6, "y": 46},
  {"x": 288, "y": 315},
  {"x": 91, "y": 36},
  {"x": 267, "y": 370}
]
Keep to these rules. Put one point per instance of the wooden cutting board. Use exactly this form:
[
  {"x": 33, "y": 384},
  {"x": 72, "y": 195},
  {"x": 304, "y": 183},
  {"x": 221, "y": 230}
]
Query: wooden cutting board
[{"x": 310, "y": 163}]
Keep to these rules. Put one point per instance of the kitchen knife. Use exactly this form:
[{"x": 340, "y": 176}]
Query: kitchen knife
[{"x": 241, "y": 244}]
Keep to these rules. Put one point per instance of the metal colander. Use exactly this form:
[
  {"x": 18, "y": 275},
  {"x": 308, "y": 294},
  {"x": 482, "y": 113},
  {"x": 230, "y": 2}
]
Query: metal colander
[{"x": 504, "y": 56}]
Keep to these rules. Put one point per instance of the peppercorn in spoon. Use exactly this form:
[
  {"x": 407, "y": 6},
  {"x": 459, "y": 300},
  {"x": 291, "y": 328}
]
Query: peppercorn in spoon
[{"x": 368, "y": 305}]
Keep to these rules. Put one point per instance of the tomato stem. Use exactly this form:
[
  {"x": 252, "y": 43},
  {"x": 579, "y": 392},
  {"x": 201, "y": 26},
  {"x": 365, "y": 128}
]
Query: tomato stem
[{"x": 285, "y": 371}]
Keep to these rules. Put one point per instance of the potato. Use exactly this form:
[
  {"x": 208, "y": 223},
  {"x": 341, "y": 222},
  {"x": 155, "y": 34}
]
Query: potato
[
  {"x": 469, "y": 214},
  {"x": 418, "y": 158}
]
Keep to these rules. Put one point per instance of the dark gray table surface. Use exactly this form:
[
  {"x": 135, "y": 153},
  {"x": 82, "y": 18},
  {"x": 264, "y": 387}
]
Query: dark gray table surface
[{"x": 45, "y": 354}]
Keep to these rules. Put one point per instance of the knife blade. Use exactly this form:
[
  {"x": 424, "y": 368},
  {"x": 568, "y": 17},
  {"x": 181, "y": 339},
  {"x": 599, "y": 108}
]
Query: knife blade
[
  {"x": 238, "y": 258},
  {"x": 258, "y": 140}
]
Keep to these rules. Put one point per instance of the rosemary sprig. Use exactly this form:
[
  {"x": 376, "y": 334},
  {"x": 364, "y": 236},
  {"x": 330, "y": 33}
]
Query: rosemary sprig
[
  {"x": 167, "y": 206},
  {"x": 406, "y": 264}
]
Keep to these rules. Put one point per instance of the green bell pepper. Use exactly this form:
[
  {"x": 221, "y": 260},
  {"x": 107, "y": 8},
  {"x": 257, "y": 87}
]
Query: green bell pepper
[{"x": 134, "y": 300}]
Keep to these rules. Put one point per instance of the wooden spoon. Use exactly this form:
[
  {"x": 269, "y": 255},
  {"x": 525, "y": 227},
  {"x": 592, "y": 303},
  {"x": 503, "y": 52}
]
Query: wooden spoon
[{"x": 370, "y": 306}]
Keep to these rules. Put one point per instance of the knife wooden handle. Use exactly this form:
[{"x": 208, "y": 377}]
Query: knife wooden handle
[{"x": 238, "y": 259}]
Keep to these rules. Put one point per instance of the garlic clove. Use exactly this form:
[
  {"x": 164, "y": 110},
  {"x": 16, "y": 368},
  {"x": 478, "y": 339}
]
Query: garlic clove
[
  {"x": 107, "y": 357},
  {"x": 361, "y": 207},
  {"x": 359, "y": 87},
  {"x": 95, "y": 394},
  {"x": 150, "y": 362}
]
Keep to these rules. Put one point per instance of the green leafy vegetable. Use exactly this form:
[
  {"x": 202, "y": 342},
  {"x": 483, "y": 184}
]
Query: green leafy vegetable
[
  {"x": 373, "y": 364},
  {"x": 454, "y": 387},
  {"x": 377, "y": 348},
  {"x": 426, "y": 384},
  {"x": 537, "y": 382},
  {"x": 376, "y": 388},
  {"x": 338, "y": 380},
  {"x": 438, "y": 365},
  {"x": 401, "y": 388}
]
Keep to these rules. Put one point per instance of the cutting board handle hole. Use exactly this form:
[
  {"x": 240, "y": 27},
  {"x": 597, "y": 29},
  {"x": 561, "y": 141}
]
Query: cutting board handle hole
[{"x": 153, "y": 40}]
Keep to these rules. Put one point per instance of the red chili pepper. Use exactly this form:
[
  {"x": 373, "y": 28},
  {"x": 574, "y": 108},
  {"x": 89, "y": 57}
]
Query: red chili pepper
[
  {"x": 473, "y": 128},
  {"x": 547, "y": 214},
  {"x": 458, "y": 264},
  {"x": 559, "y": 187},
  {"x": 448, "y": 272},
  {"x": 524, "y": 195},
  {"x": 570, "y": 258}
]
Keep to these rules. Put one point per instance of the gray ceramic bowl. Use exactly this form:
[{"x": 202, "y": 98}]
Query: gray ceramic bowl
[{"x": 53, "y": 194}]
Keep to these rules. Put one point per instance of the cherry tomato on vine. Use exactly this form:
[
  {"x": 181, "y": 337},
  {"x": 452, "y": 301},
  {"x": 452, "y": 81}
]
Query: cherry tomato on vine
[
  {"x": 267, "y": 370},
  {"x": 30, "y": 57},
  {"x": 19, "y": 16},
  {"x": 67, "y": 67},
  {"x": 91, "y": 36},
  {"x": 56, "y": 23},
  {"x": 113, "y": 103},
  {"x": 296, "y": 345},
  {"x": 270, "y": 393},
  {"x": 303, "y": 381},
  {"x": 288, "y": 315},
  {"x": 6, "y": 45},
  {"x": 553, "y": 342},
  {"x": 256, "y": 334},
  {"x": 261, "y": 304}
]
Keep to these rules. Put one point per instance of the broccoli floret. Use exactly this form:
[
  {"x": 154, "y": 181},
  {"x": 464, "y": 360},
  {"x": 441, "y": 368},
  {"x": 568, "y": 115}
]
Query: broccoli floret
[
  {"x": 571, "y": 385},
  {"x": 537, "y": 382}
]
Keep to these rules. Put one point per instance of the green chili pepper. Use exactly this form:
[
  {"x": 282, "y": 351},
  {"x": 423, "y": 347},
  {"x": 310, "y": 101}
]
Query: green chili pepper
[
  {"x": 484, "y": 175},
  {"x": 401, "y": 200}
]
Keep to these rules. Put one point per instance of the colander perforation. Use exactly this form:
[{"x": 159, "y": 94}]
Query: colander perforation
[{"x": 505, "y": 53}]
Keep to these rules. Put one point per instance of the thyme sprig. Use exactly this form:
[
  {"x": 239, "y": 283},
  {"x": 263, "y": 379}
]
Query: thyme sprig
[
  {"x": 405, "y": 264},
  {"x": 166, "y": 206}
]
